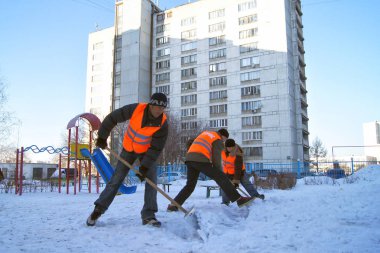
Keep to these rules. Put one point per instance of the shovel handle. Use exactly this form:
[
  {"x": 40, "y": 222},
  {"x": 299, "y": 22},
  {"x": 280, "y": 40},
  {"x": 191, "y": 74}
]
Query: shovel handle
[{"x": 149, "y": 181}]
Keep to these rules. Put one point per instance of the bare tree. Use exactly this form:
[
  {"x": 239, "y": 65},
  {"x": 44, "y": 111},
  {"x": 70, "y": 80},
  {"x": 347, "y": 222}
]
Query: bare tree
[
  {"x": 176, "y": 143},
  {"x": 7, "y": 123},
  {"x": 317, "y": 150}
]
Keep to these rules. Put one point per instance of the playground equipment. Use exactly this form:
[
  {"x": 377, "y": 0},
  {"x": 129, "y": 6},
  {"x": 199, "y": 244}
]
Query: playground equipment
[
  {"x": 34, "y": 149},
  {"x": 105, "y": 169},
  {"x": 75, "y": 160}
]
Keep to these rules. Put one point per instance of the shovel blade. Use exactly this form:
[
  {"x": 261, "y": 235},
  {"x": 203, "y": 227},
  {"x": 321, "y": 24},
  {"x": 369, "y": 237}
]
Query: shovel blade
[{"x": 190, "y": 212}]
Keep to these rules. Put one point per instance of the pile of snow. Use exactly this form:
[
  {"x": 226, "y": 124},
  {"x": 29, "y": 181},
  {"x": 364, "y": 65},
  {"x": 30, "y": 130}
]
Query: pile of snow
[{"x": 340, "y": 217}]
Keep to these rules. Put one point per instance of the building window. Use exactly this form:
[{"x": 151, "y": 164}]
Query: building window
[
  {"x": 162, "y": 41},
  {"x": 215, "y": 95},
  {"x": 252, "y": 62},
  {"x": 189, "y": 125},
  {"x": 189, "y": 99},
  {"x": 188, "y": 59},
  {"x": 248, "y": 47},
  {"x": 98, "y": 46},
  {"x": 163, "y": 89},
  {"x": 218, "y": 81},
  {"x": 248, "y": 33},
  {"x": 218, "y": 40},
  {"x": 218, "y": 109},
  {"x": 247, "y": 5},
  {"x": 188, "y": 21},
  {"x": 250, "y": 106},
  {"x": 252, "y": 136},
  {"x": 216, "y": 14},
  {"x": 253, "y": 151},
  {"x": 160, "y": 17},
  {"x": 189, "y": 34},
  {"x": 251, "y": 121},
  {"x": 215, "y": 54},
  {"x": 217, "y": 123},
  {"x": 162, "y": 28},
  {"x": 220, "y": 66},
  {"x": 163, "y": 64},
  {"x": 187, "y": 73},
  {"x": 163, "y": 52},
  {"x": 163, "y": 77},
  {"x": 248, "y": 19},
  {"x": 188, "y": 46},
  {"x": 188, "y": 112},
  {"x": 250, "y": 91},
  {"x": 217, "y": 27},
  {"x": 189, "y": 86},
  {"x": 250, "y": 76}
]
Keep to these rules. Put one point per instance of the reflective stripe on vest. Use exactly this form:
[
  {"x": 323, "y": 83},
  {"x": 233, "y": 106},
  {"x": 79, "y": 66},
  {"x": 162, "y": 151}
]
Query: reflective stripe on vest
[
  {"x": 203, "y": 144},
  {"x": 229, "y": 164},
  {"x": 136, "y": 138}
]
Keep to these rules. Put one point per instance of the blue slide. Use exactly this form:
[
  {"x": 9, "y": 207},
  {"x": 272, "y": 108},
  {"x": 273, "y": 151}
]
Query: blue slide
[{"x": 105, "y": 169}]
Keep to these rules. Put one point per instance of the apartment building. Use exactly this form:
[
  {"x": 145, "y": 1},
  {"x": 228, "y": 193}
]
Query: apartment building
[
  {"x": 237, "y": 64},
  {"x": 371, "y": 137}
]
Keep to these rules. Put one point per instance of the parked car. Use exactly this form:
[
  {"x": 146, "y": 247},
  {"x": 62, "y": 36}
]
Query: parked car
[
  {"x": 166, "y": 177},
  {"x": 265, "y": 172}
]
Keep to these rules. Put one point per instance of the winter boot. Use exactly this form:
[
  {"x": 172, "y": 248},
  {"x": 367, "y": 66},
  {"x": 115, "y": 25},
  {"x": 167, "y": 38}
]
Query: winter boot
[
  {"x": 243, "y": 201},
  {"x": 261, "y": 196},
  {"x": 151, "y": 221},
  {"x": 94, "y": 216},
  {"x": 172, "y": 208}
]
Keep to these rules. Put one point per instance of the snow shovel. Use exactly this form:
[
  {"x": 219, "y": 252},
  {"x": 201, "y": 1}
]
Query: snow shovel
[
  {"x": 172, "y": 201},
  {"x": 246, "y": 194}
]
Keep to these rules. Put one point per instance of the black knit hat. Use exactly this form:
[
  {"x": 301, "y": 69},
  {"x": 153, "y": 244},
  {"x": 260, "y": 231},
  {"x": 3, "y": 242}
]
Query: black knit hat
[
  {"x": 229, "y": 143},
  {"x": 159, "y": 99},
  {"x": 223, "y": 132}
]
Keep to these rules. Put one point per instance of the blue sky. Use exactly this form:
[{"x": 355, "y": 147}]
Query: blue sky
[{"x": 43, "y": 55}]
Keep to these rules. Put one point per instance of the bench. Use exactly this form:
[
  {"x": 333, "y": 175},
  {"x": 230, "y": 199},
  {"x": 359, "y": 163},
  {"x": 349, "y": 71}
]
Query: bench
[
  {"x": 164, "y": 186},
  {"x": 209, "y": 188}
]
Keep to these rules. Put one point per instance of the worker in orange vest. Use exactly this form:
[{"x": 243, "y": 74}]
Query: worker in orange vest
[
  {"x": 144, "y": 140},
  {"x": 204, "y": 155},
  {"x": 234, "y": 169}
]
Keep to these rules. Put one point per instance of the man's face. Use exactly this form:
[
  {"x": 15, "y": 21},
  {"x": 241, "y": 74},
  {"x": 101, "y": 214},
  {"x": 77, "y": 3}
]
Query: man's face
[
  {"x": 156, "y": 110},
  {"x": 230, "y": 149},
  {"x": 224, "y": 138}
]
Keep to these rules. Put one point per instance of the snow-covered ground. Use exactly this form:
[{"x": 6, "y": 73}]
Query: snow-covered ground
[{"x": 340, "y": 217}]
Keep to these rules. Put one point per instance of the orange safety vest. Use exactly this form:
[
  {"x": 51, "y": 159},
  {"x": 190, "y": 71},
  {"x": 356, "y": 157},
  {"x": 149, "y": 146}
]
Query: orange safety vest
[
  {"x": 203, "y": 144},
  {"x": 229, "y": 163},
  {"x": 137, "y": 139}
]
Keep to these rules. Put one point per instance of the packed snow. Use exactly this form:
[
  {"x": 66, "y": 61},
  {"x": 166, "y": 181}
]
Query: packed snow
[{"x": 317, "y": 215}]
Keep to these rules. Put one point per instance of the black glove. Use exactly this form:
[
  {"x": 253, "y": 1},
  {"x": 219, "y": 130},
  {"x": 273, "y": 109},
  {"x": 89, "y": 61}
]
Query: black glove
[
  {"x": 101, "y": 143},
  {"x": 236, "y": 183},
  {"x": 142, "y": 174}
]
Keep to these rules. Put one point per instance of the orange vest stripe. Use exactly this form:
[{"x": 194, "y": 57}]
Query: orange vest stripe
[
  {"x": 137, "y": 139},
  {"x": 203, "y": 144}
]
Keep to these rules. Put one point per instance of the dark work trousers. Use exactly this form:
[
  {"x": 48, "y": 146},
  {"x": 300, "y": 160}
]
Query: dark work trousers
[
  {"x": 193, "y": 170},
  {"x": 108, "y": 194},
  {"x": 246, "y": 183}
]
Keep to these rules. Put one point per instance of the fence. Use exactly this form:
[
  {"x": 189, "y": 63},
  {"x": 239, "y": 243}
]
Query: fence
[{"x": 301, "y": 169}]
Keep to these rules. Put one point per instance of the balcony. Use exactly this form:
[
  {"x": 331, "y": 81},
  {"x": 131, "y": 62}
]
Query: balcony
[
  {"x": 302, "y": 74},
  {"x": 301, "y": 59},
  {"x": 300, "y": 47},
  {"x": 300, "y": 33},
  {"x": 298, "y": 7}
]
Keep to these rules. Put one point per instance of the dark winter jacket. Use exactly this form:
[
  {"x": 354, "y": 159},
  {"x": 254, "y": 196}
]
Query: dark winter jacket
[{"x": 125, "y": 113}]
